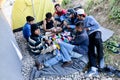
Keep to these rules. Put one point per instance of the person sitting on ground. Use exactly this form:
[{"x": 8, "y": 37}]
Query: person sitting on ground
[
  {"x": 95, "y": 40},
  {"x": 70, "y": 21},
  {"x": 49, "y": 24},
  {"x": 78, "y": 45},
  {"x": 59, "y": 14},
  {"x": 27, "y": 27},
  {"x": 37, "y": 42},
  {"x": 68, "y": 51}
]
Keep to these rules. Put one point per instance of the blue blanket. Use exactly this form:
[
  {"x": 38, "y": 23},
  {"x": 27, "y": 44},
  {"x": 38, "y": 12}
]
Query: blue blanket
[{"x": 58, "y": 70}]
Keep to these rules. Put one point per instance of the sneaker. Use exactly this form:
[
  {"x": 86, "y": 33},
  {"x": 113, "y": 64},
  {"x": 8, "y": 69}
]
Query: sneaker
[
  {"x": 66, "y": 64},
  {"x": 114, "y": 43},
  {"x": 113, "y": 49},
  {"x": 38, "y": 65},
  {"x": 117, "y": 73},
  {"x": 93, "y": 72},
  {"x": 110, "y": 70}
]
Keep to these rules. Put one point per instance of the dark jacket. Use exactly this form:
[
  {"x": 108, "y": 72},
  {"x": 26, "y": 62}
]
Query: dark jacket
[
  {"x": 81, "y": 42},
  {"x": 37, "y": 44}
]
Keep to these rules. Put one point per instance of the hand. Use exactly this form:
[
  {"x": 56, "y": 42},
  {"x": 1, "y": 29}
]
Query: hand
[
  {"x": 58, "y": 40},
  {"x": 65, "y": 23},
  {"x": 87, "y": 29},
  {"x": 53, "y": 30},
  {"x": 49, "y": 41},
  {"x": 69, "y": 38}
]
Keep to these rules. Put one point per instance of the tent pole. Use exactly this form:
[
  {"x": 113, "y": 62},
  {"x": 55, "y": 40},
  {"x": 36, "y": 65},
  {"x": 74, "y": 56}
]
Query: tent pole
[{"x": 33, "y": 9}]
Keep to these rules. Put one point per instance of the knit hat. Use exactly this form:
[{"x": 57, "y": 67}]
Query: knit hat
[
  {"x": 80, "y": 11},
  {"x": 33, "y": 28}
]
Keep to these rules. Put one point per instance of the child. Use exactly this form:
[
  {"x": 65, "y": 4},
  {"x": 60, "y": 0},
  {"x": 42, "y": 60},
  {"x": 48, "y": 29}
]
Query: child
[
  {"x": 37, "y": 42},
  {"x": 49, "y": 24},
  {"x": 27, "y": 27}
]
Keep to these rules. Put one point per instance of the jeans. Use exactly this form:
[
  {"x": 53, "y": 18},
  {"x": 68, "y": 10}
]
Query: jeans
[
  {"x": 68, "y": 49},
  {"x": 65, "y": 54},
  {"x": 54, "y": 60},
  {"x": 95, "y": 41},
  {"x": 60, "y": 18},
  {"x": 72, "y": 26}
]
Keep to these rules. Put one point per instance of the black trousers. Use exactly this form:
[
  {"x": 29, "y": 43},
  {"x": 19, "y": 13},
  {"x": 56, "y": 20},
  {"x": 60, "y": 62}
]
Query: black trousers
[{"x": 95, "y": 40}]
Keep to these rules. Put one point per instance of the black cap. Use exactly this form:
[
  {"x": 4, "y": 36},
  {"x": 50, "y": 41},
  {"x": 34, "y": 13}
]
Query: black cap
[{"x": 71, "y": 11}]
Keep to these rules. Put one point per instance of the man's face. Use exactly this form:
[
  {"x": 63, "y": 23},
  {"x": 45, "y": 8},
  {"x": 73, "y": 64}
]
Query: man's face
[
  {"x": 58, "y": 8},
  {"x": 80, "y": 17},
  {"x": 78, "y": 29}
]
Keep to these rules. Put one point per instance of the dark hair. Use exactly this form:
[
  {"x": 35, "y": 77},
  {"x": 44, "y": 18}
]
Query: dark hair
[
  {"x": 79, "y": 24},
  {"x": 33, "y": 28},
  {"x": 48, "y": 15},
  {"x": 29, "y": 18},
  {"x": 82, "y": 15},
  {"x": 57, "y": 5}
]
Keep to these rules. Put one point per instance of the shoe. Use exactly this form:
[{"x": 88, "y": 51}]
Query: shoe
[
  {"x": 93, "y": 72},
  {"x": 113, "y": 49},
  {"x": 38, "y": 65},
  {"x": 110, "y": 70},
  {"x": 117, "y": 73},
  {"x": 66, "y": 64},
  {"x": 114, "y": 43}
]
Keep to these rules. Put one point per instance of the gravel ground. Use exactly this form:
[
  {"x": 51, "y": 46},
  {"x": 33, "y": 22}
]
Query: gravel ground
[{"x": 28, "y": 62}]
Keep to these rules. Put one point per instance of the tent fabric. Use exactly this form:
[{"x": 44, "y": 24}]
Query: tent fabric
[
  {"x": 23, "y": 8},
  {"x": 10, "y": 64}
]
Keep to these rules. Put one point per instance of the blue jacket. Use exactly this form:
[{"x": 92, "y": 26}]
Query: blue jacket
[
  {"x": 27, "y": 31},
  {"x": 81, "y": 42},
  {"x": 91, "y": 23}
]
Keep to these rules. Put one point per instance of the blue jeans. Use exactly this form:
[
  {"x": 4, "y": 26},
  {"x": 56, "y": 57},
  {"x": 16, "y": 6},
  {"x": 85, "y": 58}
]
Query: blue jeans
[
  {"x": 60, "y": 18},
  {"x": 69, "y": 48},
  {"x": 65, "y": 54},
  {"x": 72, "y": 26},
  {"x": 54, "y": 60},
  {"x": 60, "y": 56}
]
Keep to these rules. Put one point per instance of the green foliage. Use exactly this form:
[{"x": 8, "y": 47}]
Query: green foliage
[
  {"x": 108, "y": 55},
  {"x": 65, "y": 2},
  {"x": 115, "y": 11},
  {"x": 89, "y": 5}
]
